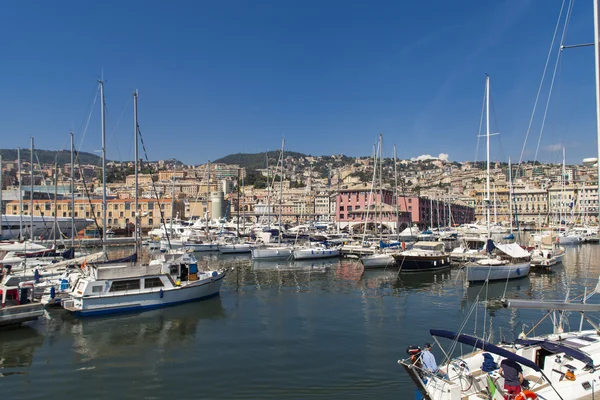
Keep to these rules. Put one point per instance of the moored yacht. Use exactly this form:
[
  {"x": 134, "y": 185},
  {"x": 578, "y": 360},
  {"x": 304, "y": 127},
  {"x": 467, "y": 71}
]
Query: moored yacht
[
  {"x": 172, "y": 279},
  {"x": 424, "y": 256}
]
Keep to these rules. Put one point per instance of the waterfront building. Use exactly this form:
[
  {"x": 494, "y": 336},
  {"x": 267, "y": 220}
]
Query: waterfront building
[{"x": 120, "y": 212}]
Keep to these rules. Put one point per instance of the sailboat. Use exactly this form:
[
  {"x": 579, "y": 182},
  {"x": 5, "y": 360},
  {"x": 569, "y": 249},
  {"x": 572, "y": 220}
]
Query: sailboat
[
  {"x": 561, "y": 365},
  {"x": 503, "y": 261},
  {"x": 275, "y": 252},
  {"x": 382, "y": 257}
]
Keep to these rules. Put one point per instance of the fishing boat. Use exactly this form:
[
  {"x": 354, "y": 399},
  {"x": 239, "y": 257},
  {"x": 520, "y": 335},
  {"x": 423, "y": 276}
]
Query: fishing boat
[
  {"x": 423, "y": 256},
  {"x": 172, "y": 279}
]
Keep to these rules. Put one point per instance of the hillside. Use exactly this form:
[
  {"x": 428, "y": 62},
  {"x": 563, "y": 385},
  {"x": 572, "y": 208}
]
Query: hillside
[
  {"x": 48, "y": 156},
  {"x": 257, "y": 160}
]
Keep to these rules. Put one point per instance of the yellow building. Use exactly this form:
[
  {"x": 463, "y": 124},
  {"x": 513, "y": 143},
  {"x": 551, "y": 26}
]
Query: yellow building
[{"x": 120, "y": 212}]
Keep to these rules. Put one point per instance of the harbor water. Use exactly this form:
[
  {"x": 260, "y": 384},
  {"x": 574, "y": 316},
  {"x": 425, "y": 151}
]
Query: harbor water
[{"x": 312, "y": 330}]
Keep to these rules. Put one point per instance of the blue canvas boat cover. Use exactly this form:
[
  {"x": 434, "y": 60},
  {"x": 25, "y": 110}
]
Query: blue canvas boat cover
[{"x": 483, "y": 345}]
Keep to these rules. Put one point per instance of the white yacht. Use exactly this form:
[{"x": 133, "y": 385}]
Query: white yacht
[{"x": 172, "y": 279}]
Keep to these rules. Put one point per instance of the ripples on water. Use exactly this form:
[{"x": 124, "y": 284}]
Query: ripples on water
[{"x": 306, "y": 330}]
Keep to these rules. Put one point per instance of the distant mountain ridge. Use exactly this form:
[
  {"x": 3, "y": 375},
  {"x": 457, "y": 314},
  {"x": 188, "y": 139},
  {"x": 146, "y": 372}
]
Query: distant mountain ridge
[
  {"x": 256, "y": 160},
  {"x": 62, "y": 157}
]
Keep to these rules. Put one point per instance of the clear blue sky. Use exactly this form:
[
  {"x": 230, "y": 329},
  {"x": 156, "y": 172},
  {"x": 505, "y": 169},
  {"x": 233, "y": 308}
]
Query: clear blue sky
[{"x": 223, "y": 77}]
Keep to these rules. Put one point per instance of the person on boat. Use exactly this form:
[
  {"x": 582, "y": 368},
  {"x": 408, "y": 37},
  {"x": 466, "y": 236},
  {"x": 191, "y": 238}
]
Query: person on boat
[
  {"x": 513, "y": 378},
  {"x": 429, "y": 363}
]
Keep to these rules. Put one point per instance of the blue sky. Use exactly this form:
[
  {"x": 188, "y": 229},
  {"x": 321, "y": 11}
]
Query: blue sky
[{"x": 224, "y": 77}]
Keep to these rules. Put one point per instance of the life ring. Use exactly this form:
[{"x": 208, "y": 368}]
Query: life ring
[{"x": 526, "y": 395}]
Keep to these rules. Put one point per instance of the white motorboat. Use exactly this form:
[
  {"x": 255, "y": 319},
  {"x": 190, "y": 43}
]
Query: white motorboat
[
  {"x": 172, "y": 279},
  {"x": 470, "y": 249},
  {"x": 504, "y": 261}
]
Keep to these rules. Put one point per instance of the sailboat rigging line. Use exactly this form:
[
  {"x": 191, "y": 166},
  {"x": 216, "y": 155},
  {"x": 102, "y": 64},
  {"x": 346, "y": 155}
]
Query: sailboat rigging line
[
  {"x": 49, "y": 198},
  {"x": 557, "y": 63},
  {"x": 162, "y": 215},
  {"x": 480, "y": 126},
  {"x": 89, "y": 117},
  {"x": 117, "y": 126},
  {"x": 537, "y": 97}
]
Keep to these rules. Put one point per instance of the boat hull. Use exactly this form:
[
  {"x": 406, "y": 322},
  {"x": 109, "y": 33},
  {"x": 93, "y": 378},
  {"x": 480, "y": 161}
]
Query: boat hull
[
  {"x": 311, "y": 254},
  {"x": 101, "y": 305},
  {"x": 235, "y": 248},
  {"x": 481, "y": 273},
  {"x": 378, "y": 261},
  {"x": 272, "y": 253},
  {"x": 422, "y": 263}
]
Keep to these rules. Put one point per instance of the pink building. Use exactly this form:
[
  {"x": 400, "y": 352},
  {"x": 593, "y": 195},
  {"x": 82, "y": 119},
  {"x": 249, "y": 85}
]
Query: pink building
[{"x": 360, "y": 204}]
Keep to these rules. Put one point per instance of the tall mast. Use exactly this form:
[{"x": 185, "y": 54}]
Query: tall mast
[
  {"x": 1, "y": 214},
  {"x": 268, "y": 192},
  {"x": 396, "y": 195},
  {"x": 281, "y": 193},
  {"x": 31, "y": 190},
  {"x": 135, "y": 154},
  {"x": 20, "y": 194},
  {"x": 72, "y": 192},
  {"x": 487, "y": 134},
  {"x": 380, "y": 186},
  {"x": 173, "y": 202},
  {"x": 103, "y": 122},
  {"x": 207, "y": 192},
  {"x": 238, "y": 203},
  {"x": 597, "y": 70},
  {"x": 430, "y": 214},
  {"x": 54, "y": 222},
  {"x": 510, "y": 194}
]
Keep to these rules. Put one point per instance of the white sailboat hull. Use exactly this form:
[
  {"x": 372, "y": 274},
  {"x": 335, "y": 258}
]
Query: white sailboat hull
[
  {"x": 481, "y": 273},
  {"x": 309, "y": 254},
  {"x": 378, "y": 261},
  {"x": 272, "y": 253},
  {"x": 235, "y": 248}
]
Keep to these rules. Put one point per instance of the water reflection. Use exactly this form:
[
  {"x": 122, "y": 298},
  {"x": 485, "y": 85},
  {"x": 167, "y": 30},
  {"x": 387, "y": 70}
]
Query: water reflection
[
  {"x": 17, "y": 347},
  {"x": 105, "y": 337}
]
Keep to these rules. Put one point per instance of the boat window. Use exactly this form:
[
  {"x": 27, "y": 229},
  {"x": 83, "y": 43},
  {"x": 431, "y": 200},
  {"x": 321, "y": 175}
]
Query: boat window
[
  {"x": 173, "y": 269},
  {"x": 152, "y": 282},
  {"x": 96, "y": 289},
  {"x": 130, "y": 284}
]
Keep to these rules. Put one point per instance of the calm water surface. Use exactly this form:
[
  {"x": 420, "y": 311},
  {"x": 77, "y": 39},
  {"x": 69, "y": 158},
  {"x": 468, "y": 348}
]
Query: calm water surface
[{"x": 317, "y": 330}]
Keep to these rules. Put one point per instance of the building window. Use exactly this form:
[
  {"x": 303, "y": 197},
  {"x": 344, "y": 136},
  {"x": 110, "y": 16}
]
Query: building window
[
  {"x": 119, "y": 286},
  {"x": 341, "y": 208},
  {"x": 349, "y": 208},
  {"x": 127, "y": 206}
]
